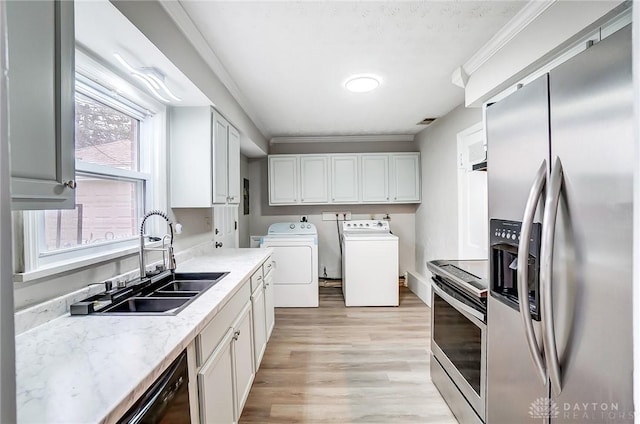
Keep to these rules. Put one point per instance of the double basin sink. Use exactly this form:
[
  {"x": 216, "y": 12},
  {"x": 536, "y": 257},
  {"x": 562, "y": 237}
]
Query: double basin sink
[{"x": 166, "y": 294}]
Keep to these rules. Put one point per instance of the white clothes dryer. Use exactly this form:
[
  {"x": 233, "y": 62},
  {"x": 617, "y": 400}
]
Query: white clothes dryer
[
  {"x": 295, "y": 257},
  {"x": 369, "y": 264}
]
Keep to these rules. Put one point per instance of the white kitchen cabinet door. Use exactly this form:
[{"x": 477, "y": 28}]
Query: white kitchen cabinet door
[
  {"x": 405, "y": 178},
  {"x": 225, "y": 226},
  {"x": 344, "y": 179},
  {"x": 190, "y": 175},
  {"x": 242, "y": 348},
  {"x": 233, "y": 166},
  {"x": 259, "y": 324},
  {"x": 41, "y": 45},
  {"x": 314, "y": 179},
  {"x": 215, "y": 384},
  {"x": 283, "y": 179},
  {"x": 269, "y": 303},
  {"x": 375, "y": 178},
  {"x": 220, "y": 148}
]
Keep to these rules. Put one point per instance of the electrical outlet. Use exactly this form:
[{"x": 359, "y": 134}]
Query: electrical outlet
[{"x": 341, "y": 216}]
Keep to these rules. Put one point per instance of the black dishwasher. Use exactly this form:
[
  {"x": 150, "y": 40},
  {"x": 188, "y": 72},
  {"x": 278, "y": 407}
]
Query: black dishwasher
[{"x": 166, "y": 401}]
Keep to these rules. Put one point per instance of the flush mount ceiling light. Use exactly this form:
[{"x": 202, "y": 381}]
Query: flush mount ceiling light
[
  {"x": 152, "y": 78},
  {"x": 362, "y": 83}
]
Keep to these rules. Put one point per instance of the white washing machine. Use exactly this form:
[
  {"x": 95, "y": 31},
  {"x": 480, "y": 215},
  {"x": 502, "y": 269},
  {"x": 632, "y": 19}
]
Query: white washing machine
[
  {"x": 369, "y": 264},
  {"x": 295, "y": 255}
]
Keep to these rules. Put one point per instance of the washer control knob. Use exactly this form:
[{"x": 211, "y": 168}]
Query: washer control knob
[{"x": 292, "y": 226}]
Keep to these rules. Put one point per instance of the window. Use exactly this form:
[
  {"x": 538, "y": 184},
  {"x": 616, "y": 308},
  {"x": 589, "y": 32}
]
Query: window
[{"x": 113, "y": 155}]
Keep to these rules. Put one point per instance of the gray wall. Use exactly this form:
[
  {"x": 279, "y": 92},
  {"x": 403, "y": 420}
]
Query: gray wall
[
  {"x": 437, "y": 216},
  {"x": 243, "y": 220},
  {"x": 262, "y": 215}
]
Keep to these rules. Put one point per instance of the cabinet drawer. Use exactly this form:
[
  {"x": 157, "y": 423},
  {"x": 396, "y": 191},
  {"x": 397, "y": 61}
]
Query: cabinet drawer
[
  {"x": 208, "y": 339},
  {"x": 267, "y": 267},
  {"x": 256, "y": 279}
]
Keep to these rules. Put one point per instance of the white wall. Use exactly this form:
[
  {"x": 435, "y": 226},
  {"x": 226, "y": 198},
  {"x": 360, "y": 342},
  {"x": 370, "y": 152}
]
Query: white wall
[
  {"x": 262, "y": 215},
  {"x": 437, "y": 216}
]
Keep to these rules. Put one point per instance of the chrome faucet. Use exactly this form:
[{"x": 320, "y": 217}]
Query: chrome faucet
[{"x": 171, "y": 260}]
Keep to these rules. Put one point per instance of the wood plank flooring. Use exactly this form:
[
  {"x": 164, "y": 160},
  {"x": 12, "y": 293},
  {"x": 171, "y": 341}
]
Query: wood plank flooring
[{"x": 334, "y": 364}]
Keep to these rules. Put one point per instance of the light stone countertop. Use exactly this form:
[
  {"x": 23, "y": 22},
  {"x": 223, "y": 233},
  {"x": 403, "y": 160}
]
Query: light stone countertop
[{"x": 88, "y": 369}]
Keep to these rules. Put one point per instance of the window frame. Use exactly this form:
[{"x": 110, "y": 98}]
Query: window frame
[{"x": 151, "y": 117}]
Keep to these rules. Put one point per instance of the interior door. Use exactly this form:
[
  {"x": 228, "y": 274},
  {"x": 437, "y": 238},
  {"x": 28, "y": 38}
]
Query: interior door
[{"x": 473, "y": 219}]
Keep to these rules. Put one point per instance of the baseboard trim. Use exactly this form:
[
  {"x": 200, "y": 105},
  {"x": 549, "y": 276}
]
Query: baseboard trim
[{"x": 420, "y": 286}]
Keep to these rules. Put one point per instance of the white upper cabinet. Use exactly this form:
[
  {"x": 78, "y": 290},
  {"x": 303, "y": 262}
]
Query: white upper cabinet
[
  {"x": 219, "y": 159},
  {"x": 204, "y": 160},
  {"x": 314, "y": 179},
  {"x": 233, "y": 164},
  {"x": 375, "y": 178},
  {"x": 405, "y": 178},
  {"x": 283, "y": 177},
  {"x": 344, "y": 179},
  {"x": 41, "y": 47}
]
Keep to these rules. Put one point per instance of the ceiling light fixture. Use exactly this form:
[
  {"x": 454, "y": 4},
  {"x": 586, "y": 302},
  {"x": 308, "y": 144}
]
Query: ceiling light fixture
[
  {"x": 152, "y": 78},
  {"x": 362, "y": 83}
]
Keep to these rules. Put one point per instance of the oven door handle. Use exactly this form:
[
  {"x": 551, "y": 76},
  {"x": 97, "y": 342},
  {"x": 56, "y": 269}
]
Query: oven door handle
[
  {"x": 536, "y": 192},
  {"x": 459, "y": 305}
]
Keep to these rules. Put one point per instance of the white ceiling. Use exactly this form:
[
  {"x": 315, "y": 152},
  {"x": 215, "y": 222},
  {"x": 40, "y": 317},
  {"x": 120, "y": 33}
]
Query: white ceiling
[{"x": 287, "y": 61}]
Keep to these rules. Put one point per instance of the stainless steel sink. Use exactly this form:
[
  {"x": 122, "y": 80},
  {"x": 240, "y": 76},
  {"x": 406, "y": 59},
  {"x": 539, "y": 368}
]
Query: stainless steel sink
[
  {"x": 165, "y": 294},
  {"x": 154, "y": 305}
]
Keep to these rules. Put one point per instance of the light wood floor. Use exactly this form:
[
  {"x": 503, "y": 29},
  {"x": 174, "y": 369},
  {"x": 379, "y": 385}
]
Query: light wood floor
[{"x": 334, "y": 364}]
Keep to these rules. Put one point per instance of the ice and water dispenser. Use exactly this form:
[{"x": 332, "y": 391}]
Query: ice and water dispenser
[{"x": 504, "y": 238}]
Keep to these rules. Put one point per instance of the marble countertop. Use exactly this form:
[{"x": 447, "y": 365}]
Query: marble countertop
[{"x": 87, "y": 369}]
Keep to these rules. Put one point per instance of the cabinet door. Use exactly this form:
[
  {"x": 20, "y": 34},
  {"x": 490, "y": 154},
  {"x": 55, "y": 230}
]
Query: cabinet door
[
  {"x": 344, "y": 179},
  {"x": 314, "y": 179},
  {"x": 233, "y": 165},
  {"x": 375, "y": 178},
  {"x": 259, "y": 324},
  {"x": 269, "y": 303},
  {"x": 220, "y": 142},
  {"x": 191, "y": 157},
  {"x": 41, "y": 46},
  {"x": 405, "y": 178},
  {"x": 215, "y": 384},
  {"x": 242, "y": 348},
  {"x": 283, "y": 177},
  {"x": 225, "y": 226}
]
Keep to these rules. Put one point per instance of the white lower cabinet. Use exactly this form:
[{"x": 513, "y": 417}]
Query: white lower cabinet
[
  {"x": 243, "y": 365},
  {"x": 259, "y": 324},
  {"x": 269, "y": 301},
  {"x": 215, "y": 383}
]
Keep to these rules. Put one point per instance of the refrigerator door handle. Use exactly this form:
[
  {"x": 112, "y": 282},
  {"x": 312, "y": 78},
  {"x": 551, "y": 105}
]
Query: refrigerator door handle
[
  {"x": 535, "y": 194},
  {"x": 546, "y": 270}
]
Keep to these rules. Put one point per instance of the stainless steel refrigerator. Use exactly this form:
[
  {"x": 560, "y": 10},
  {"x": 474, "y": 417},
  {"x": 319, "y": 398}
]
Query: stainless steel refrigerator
[{"x": 560, "y": 179}]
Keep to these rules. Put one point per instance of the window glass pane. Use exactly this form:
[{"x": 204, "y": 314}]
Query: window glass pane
[
  {"x": 105, "y": 136},
  {"x": 106, "y": 210}
]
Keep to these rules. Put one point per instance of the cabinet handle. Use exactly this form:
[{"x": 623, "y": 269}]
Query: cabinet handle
[
  {"x": 71, "y": 184},
  {"x": 259, "y": 277},
  {"x": 236, "y": 335},
  {"x": 218, "y": 244}
]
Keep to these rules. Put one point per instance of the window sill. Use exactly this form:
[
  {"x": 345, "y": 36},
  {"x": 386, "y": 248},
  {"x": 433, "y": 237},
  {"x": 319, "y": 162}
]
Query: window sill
[{"x": 75, "y": 264}]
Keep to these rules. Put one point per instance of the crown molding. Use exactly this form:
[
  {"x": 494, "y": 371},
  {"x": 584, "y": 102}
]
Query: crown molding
[
  {"x": 184, "y": 22},
  {"x": 344, "y": 139},
  {"x": 519, "y": 22}
]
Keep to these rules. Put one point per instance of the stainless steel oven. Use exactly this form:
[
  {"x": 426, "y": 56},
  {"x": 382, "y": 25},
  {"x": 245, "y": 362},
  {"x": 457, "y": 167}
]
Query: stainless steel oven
[{"x": 459, "y": 336}]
